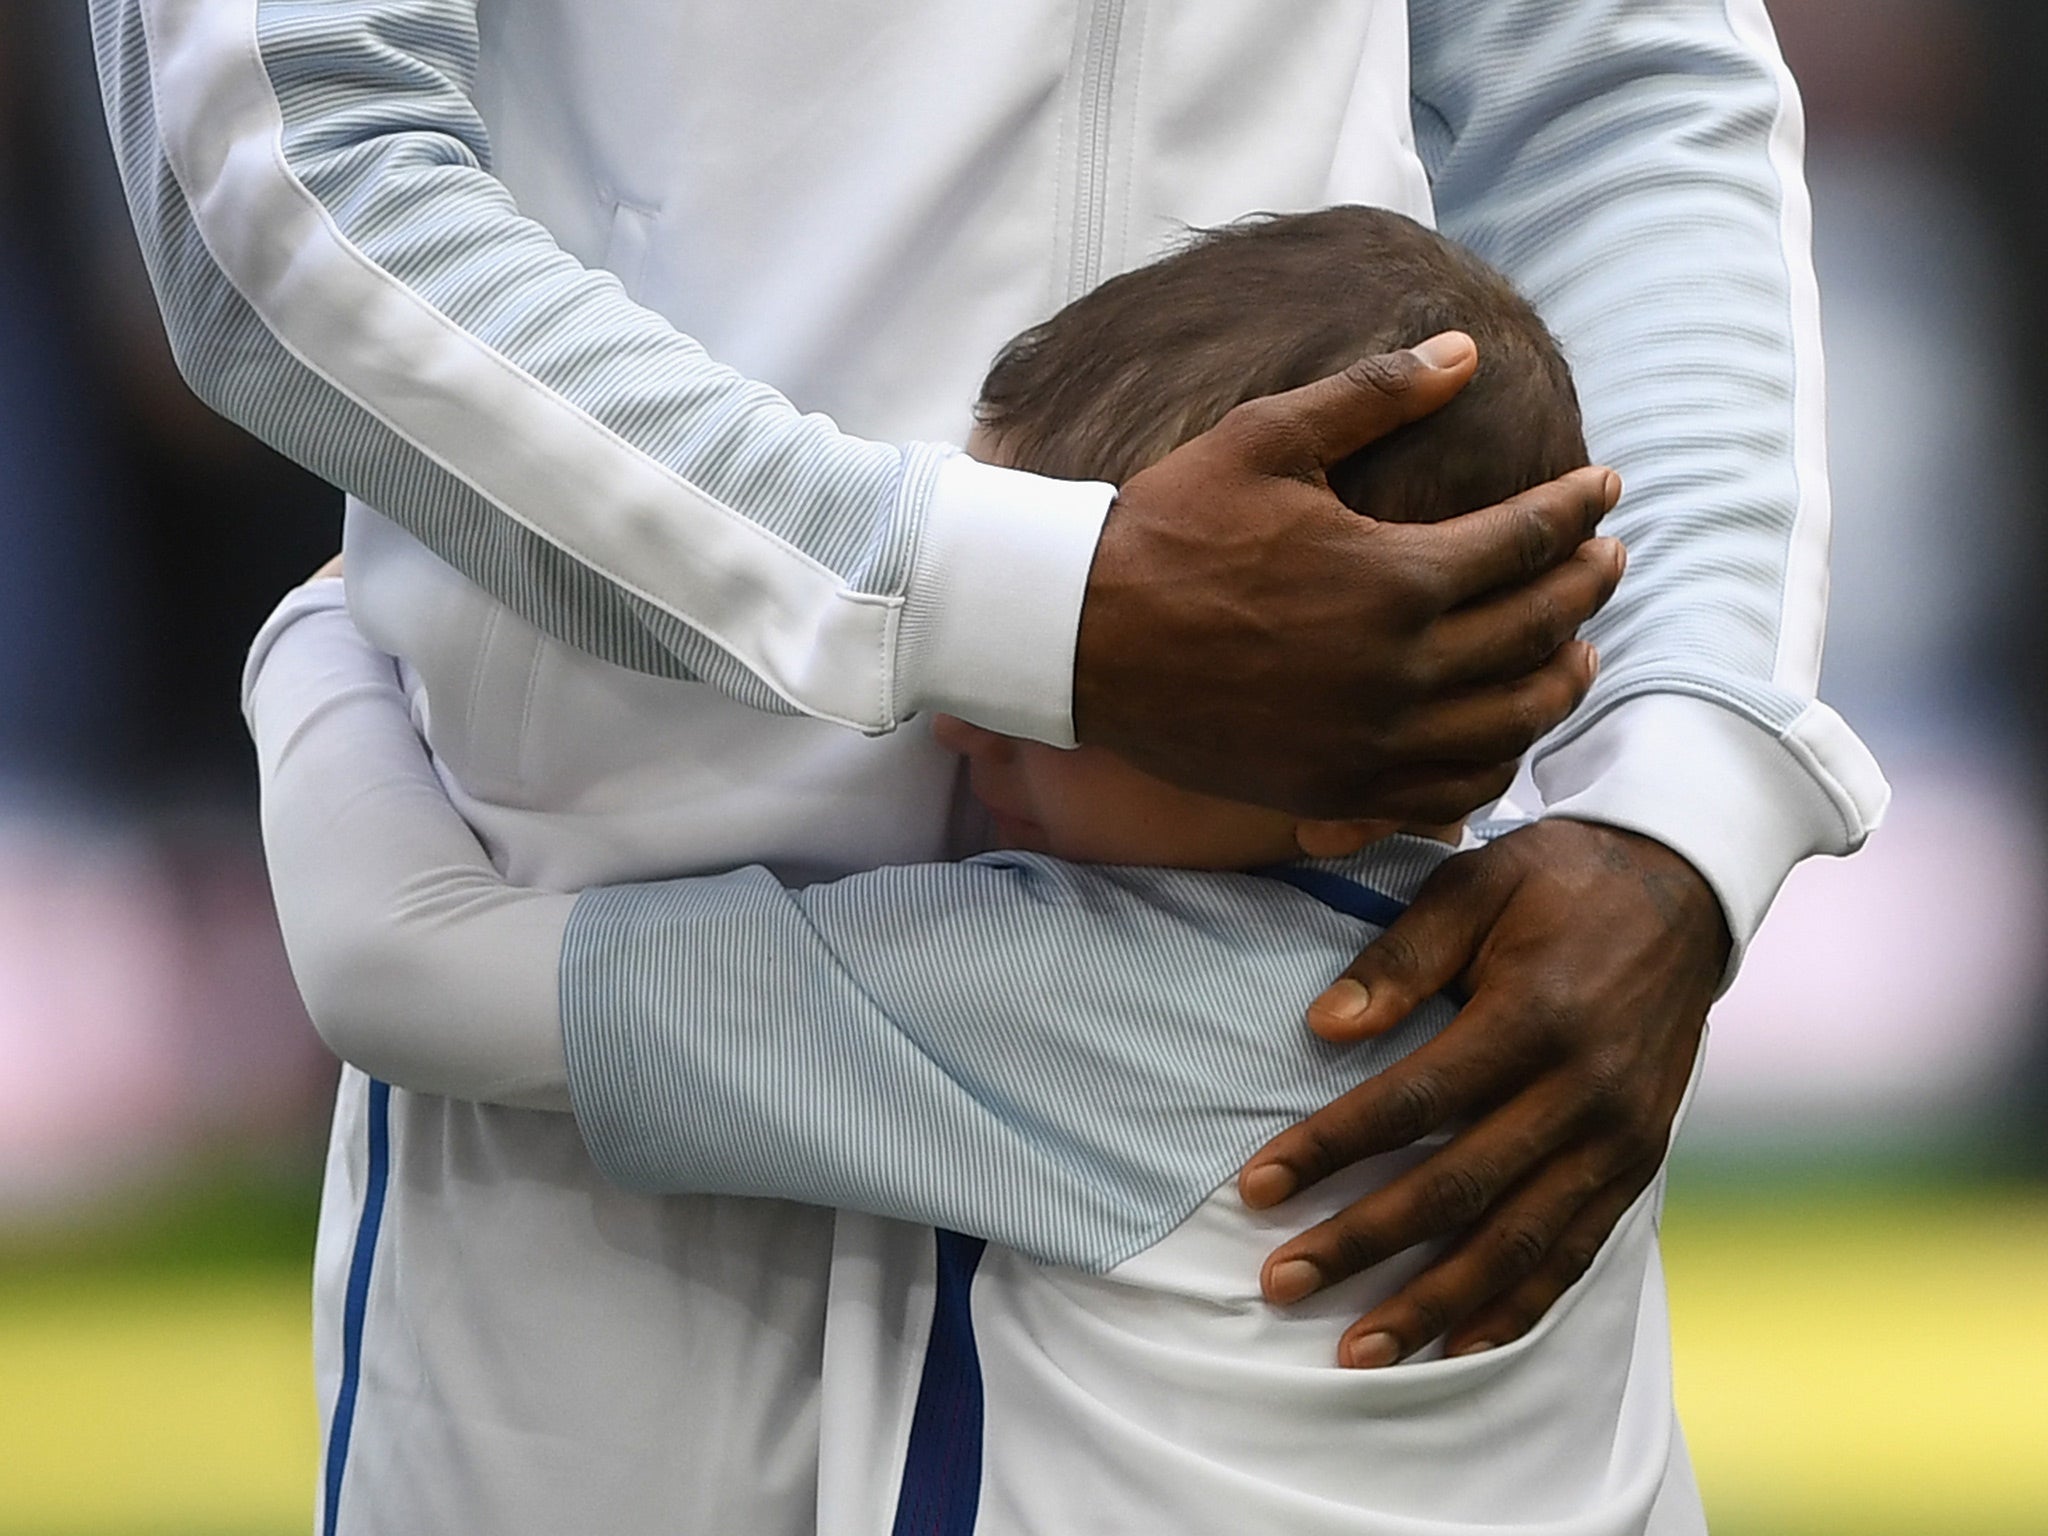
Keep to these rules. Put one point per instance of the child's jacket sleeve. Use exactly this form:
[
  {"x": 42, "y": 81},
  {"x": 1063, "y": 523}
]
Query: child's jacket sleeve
[
  {"x": 1063, "y": 1059},
  {"x": 1066, "y": 1059},
  {"x": 418, "y": 964}
]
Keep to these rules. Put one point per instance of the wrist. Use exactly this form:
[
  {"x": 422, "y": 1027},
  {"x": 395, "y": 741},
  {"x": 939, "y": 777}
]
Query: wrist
[
  {"x": 1740, "y": 804},
  {"x": 1683, "y": 897}
]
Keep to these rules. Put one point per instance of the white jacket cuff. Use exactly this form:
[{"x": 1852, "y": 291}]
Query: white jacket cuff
[
  {"x": 994, "y": 605},
  {"x": 1741, "y": 805}
]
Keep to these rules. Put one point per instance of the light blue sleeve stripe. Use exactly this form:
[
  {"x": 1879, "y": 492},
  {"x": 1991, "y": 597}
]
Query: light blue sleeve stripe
[
  {"x": 1065, "y": 1059},
  {"x": 1626, "y": 162},
  {"x": 376, "y": 123}
]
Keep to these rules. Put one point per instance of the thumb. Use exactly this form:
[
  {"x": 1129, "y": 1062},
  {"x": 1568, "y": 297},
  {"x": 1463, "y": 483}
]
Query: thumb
[
  {"x": 1421, "y": 953},
  {"x": 1342, "y": 413}
]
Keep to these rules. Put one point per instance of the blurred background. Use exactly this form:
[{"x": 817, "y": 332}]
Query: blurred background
[{"x": 1858, "y": 1231}]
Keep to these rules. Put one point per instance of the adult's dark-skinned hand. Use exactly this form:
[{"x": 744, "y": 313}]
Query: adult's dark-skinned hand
[
  {"x": 1245, "y": 633},
  {"x": 1589, "y": 956}
]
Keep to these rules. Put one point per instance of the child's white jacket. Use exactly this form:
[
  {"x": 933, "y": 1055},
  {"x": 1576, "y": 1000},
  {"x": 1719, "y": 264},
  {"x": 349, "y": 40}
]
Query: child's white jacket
[
  {"x": 520, "y": 275},
  {"x": 1059, "y": 1066}
]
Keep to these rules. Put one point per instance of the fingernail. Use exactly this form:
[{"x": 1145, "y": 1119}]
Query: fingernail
[
  {"x": 1478, "y": 1347},
  {"x": 1446, "y": 351},
  {"x": 1612, "y": 490},
  {"x": 1592, "y": 664},
  {"x": 1293, "y": 1280},
  {"x": 1372, "y": 1350},
  {"x": 1343, "y": 1002},
  {"x": 1268, "y": 1184}
]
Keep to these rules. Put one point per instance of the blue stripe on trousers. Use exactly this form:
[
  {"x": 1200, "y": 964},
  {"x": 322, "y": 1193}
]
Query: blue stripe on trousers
[
  {"x": 941, "y": 1490},
  {"x": 357, "y": 1301}
]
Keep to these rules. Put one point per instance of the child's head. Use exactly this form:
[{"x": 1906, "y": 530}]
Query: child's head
[{"x": 1127, "y": 373}]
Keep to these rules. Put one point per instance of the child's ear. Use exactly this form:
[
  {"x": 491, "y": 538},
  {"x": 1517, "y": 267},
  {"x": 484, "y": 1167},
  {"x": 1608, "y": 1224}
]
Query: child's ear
[{"x": 1334, "y": 839}]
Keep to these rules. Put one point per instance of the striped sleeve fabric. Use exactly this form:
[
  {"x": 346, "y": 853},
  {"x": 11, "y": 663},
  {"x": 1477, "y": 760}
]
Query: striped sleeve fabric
[
  {"x": 1635, "y": 166},
  {"x": 341, "y": 274},
  {"x": 1064, "y": 1059}
]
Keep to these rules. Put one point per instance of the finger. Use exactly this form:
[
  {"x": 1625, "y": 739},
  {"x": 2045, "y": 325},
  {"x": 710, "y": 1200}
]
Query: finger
[
  {"x": 1499, "y": 723},
  {"x": 1336, "y": 416},
  {"x": 1514, "y": 633},
  {"x": 1420, "y": 954},
  {"x": 1441, "y": 1196},
  {"x": 1511, "y": 544},
  {"x": 1513, "y": 1243},
  {"x": 1435, "y": 794},
  {"x": 1470, "y": 1065},
  {"x": 1506, "y": 1317}
]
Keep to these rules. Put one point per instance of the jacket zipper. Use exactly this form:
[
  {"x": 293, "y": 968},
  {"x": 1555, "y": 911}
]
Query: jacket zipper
[{"x": 1091, "y": 185}]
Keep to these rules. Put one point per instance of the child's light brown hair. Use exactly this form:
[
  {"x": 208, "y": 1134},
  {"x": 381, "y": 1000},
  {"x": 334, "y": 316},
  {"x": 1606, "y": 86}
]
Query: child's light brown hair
[{"x": 1129, "y": 372}]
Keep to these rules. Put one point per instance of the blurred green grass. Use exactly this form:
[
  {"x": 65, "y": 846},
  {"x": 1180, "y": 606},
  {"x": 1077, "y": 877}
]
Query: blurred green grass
[
  {"x": 1858, "y": 1358},
  {"x": 1859, "y": 1353},
  {"x": 155, "y": 1363}
]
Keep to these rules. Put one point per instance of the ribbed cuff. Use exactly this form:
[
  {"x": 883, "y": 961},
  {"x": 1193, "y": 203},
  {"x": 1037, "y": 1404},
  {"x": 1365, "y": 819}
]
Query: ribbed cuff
[
  {"x": 994, "y": 606},
  {"x": 1741, "y": 805}
]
